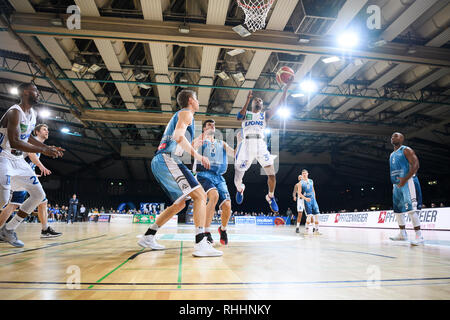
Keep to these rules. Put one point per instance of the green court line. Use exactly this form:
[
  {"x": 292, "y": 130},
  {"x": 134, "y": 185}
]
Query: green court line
[
  {"x": 109, "y": 273},
  {"x": 180, "y": 266}
]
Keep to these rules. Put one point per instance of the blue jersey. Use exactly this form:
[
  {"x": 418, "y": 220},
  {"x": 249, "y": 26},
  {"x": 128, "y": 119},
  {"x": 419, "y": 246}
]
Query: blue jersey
[
  {"x": 217, "y": 156},
  {"x": 399, "y": 165},
  {"x": 307, "y": 188},
  {"x": 168, "y": 144}
]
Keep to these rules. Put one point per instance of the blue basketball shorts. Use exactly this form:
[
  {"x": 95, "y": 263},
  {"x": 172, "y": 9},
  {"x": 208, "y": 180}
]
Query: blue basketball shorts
[
  {"x": 210, "y": 181},
  {"x": 174, "y": 177}
]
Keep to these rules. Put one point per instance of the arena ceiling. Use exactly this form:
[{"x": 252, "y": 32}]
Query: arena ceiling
[{"x": 146, "y": 51}]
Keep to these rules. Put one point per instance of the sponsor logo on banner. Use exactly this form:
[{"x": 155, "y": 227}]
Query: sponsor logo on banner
[
  {"x": 323, "y": 217},
  {"x": 245, "y": 220},
  {"x": 265, "y": 221},
  {"x": 382, "y": 217},
  {"x": 336, "y": 219},
  {"x": 144, "y": 218},
  {"x": 104, "y": 218}
]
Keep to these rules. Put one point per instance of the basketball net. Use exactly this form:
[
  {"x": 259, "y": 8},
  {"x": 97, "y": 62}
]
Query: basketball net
[{"x": 255, "y": 13}]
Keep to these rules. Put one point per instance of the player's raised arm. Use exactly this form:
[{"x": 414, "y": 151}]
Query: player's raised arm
[
  {"x": 271, "y": 112},
  {"x": 241, "y": 114},
  {"x": 184, "y": 120}
]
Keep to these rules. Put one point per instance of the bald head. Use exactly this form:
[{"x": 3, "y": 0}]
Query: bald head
[{"x": 397, "y": 139}]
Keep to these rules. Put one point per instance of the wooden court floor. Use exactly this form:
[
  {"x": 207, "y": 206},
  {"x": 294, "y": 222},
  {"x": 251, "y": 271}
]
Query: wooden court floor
[{"x": 94, "y": 261}]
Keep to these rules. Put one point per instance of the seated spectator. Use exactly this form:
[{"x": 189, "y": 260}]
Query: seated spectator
[{"x": 441, "y": 205}]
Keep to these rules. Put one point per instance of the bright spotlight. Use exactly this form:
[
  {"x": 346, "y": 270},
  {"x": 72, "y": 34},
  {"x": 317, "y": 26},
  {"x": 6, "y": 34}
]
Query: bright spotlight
[
  {"x": 45, "y": 113},
  {"x": 65, "y": 130},
  {"x": 14, "y": 91},
  {"x": 267, "y": 130},
  {"x": 348, "y": 39},
  {"x": 308, "y": 86},
  {"x": 284, "y": 112}
]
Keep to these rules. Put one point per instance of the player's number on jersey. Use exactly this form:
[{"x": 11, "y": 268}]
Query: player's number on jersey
[{"x": 35, "y": 180}]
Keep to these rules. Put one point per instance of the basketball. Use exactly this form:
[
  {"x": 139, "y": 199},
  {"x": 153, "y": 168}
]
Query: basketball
[{"x": 284, "y": 74}]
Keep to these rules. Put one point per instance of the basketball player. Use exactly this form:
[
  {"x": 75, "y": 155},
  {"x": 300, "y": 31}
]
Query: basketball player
[
  {"x": 308, "y": 194},
  {"x": 175, "y": 178},
  {"x": 18, "y": 197},
  {"x": 300, "y": 202},
  {"x": 407, "y": 195},
  {"x": 212, "y": 180},
  {"x": 253, "y": 146},
  {"x": 16, "y": 174}
]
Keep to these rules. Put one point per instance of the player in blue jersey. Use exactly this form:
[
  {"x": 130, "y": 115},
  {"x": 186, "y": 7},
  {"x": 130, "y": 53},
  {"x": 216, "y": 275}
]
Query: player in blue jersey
[
  {"x": 406, "y": 194},
  {"x": 253, "y": 146},
  {"x": 177, "y": 180},
  {"x": 40, "y": 133},
  {"x": 305, "y": 191},
  {"x": 212, "y": 180}
]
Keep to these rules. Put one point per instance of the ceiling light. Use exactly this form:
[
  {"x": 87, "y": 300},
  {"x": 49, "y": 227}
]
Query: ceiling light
[
  {"x": 378, "y": 43},
  {"x": 57, "y": 22},
  {"x": 240, "y": 30},
  {"x": 94, "y": 68},
  {"x": 239, "y": 76},
  {"x": 139, "y": 74},
  {"x": 235, "y": 52},
  {"x": 308, "y": 86},
  {"x": 331, "y": 59},
  {"x": 284, "y": 112},
  {"x": 223, "y": 75},
  {"x": 348, "y": 39},
  {"x": 183, "y": 80},
  {"x": 297, "y": 95},
  {"x": 303, "y": 40},
  {"x": 77, "y": 67},
  {"x": 65, "y": 130},
  {"x": 184, "y": 28},
  {"x": 143, "y": 86},
  {"x": 14, "y": 91},
  {"x": 45, "y": 113}
]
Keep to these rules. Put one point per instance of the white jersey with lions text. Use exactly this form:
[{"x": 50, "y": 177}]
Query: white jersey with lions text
[
  {"x": 254, "y": 123},
  {"x": 27, "y": 122}
]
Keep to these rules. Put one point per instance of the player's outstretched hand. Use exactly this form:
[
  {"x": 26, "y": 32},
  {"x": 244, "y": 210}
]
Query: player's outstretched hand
[
  {"x": 250, "y": 95},
  {"x": 45, "y": 171},
  {"x": 53, "y": 152}
]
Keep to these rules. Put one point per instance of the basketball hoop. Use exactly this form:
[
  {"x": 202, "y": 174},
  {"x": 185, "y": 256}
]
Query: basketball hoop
[{"x": 255, "y": 13}]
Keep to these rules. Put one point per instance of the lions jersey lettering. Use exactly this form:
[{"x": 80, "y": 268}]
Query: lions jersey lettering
[{"x": 254, "y": 123}]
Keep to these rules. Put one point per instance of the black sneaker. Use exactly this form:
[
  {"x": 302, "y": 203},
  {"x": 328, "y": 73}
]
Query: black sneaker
[
  {"x": 297, "y": 230},
  {"x": 50, "y": 233},
  {"x": 209, "y": 237},
  {"x": 223, "y": 236}
]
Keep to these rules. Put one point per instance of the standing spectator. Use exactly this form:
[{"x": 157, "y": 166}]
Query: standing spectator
[
  {"x": 73, "y": 208},
  {"x": 83, "y": 213}
]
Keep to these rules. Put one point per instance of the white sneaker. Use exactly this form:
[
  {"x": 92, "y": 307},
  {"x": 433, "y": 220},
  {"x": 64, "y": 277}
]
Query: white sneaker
[
  {"x": 205, "y": 249},
  {"x": 150, "y": 242},
  {"x": 418, "y": 241},
  {"x": 399, "y": 237}
]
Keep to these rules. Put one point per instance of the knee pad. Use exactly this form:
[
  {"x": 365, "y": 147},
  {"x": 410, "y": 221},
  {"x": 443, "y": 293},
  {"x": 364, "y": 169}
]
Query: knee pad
[
  {"x": 37, "y": 195},
  {"x": 414, "y": 218},
  {"x": 400, "y": 219}
]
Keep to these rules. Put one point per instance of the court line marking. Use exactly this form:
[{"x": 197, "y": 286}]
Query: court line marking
[
  {"x": 215, "y": 283},
  {"x": 362, "y": 252},
  {"x": 56, "y": 244},
  {"x": 228, "y": 289},
  {"x": 180, "y": 268},
  {"x": 109, "y": 273}
]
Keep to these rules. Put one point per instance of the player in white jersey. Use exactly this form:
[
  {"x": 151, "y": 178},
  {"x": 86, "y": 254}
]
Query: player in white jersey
[
  {"x": 253, "y": 146},
  {"x": 297, "y": 195},
  {"x": 16, "y": 174},
  {"x": 40, "y": 132}
]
